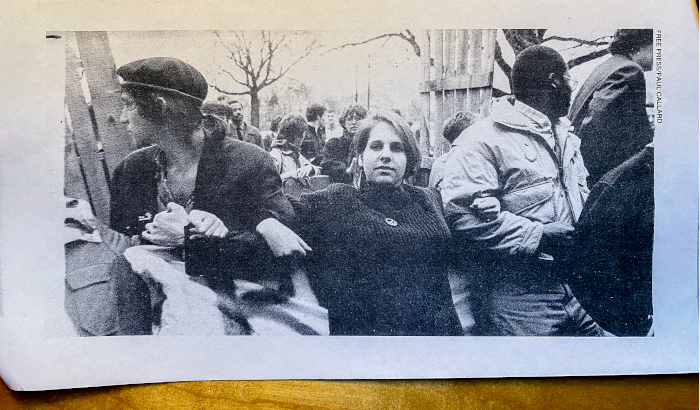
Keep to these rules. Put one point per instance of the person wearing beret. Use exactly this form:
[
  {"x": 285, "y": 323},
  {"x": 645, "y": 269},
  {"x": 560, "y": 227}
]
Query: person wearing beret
[
  {"x": 188, "y": 186},
  {"x": 609, "y": 112}
]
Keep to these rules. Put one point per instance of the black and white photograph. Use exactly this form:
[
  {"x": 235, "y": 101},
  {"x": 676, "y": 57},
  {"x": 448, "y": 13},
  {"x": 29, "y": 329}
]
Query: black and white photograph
[
  {"x": 420, "y": 193},
  {"x": 451, "y": 183}
]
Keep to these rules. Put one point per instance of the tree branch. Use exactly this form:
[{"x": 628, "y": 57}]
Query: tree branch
[
  {"x": 596, "y": 42},
  {"x": 214, "y": 86},
  {"x": 409, "y": 37},
  {"x": 232, "y": 77},
  {"x": 282, "y": 71},
  {"x": 498, "y": 55},
  {"x": 586, "y": 58}
]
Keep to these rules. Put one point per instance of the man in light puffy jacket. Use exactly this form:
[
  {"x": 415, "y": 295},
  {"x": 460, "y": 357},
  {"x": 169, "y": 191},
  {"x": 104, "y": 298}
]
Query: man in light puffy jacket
[{"x": 524, "y": 155}]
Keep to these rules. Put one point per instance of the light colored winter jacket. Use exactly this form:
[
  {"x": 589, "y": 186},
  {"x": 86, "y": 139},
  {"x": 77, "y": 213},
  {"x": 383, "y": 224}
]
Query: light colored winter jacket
[{"x": 511, "y": 155}]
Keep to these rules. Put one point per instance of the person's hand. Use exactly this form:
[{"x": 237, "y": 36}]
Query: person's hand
[
  {"x": 558, "y": 230},
  {"x": 206, "y": 225},
  {"x": 79, "y": 222},
  {"x": 78, "y": 212},
  {"x": 168, "y": 227},
  {"x": 486, "y": 208},
  {"x": 305, "y": 171},
  {"x": 281, "y": 240}
]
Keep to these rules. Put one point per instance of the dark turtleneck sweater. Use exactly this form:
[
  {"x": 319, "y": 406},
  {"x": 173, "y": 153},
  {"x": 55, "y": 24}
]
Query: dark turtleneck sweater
[{"x": 379, "y": 259}]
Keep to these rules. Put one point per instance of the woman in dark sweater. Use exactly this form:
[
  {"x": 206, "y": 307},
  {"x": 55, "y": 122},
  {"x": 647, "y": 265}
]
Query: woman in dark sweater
[{"x": 380, "y": 249}]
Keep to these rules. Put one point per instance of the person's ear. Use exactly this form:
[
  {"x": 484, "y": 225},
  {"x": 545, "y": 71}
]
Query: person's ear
[{"x": 162, "y": 105}]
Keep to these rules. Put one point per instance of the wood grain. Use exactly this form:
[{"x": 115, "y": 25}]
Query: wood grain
[{"x": 630, "y": 392}]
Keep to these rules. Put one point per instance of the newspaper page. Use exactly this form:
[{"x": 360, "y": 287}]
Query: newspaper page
[{"x": 434, "y": 191}]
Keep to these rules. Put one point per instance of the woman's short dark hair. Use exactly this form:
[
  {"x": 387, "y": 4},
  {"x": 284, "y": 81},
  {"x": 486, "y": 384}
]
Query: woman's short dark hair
[
  {"x": 292, "y": 128},
  {"x": 314, "y": 112},
  {"x": 627, "y": 41},
  {"x": 402, "y": 129},
  {"x": 355, "y": 110},
  {"x": 182, "y": 113},
  {"x": 458, "y": 123}
]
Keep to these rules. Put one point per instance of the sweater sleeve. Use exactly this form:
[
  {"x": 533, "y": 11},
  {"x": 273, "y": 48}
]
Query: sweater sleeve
[{"x": 265, "y": 185}]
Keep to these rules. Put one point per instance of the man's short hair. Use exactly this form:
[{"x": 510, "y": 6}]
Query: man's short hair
[
  {"x": 219, "y": 109},
  {"x": 627, "y": 41},
  {"x": 532, "y": 69},
  {"x": 458, "y": 123},
  {"x": 314, "y": 112}
]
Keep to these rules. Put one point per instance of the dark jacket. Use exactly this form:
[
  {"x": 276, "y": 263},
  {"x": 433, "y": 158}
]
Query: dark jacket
[
  {"x": 248, "y": 133},
  {"x": 236, "y": 181},
  {"x": 336, "y": 159},
  {"x": 379, "y": 260},
  {"x": 609, "y": 116},
  {"x": 312, "y": 144},
  {"x": 611, "y": 267}
]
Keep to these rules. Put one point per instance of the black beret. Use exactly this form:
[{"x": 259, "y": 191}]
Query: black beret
[{"x": 165, "y": 74}]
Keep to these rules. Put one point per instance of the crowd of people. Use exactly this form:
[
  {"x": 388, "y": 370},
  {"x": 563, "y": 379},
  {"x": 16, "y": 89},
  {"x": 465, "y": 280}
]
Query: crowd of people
[{"x": 217, "y": 228}]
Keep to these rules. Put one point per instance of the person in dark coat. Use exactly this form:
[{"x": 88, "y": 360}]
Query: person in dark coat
[
  {"x": 609, "y": 112},
  {"x": 378, "y": 254},
  {"x": 190, "y": 176},
  {"x": 337, "y": 154},
  {"x": 315, "y": 135},
  {"x": 611, "y": 263}
]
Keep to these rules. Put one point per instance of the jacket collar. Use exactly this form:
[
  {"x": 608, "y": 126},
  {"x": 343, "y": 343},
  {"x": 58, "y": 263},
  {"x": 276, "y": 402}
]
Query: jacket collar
[{"x": 512, "y": 113}]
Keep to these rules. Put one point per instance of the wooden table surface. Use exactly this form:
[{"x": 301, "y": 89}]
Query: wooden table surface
[{"x": 631, "y": 392}]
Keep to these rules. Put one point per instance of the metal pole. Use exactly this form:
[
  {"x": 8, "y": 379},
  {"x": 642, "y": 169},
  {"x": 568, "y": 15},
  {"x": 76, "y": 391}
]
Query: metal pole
[
  {"x": 71, "y": 138},
  {"x": 356, "y": 83},
  {"x": 369, "y": 76}
]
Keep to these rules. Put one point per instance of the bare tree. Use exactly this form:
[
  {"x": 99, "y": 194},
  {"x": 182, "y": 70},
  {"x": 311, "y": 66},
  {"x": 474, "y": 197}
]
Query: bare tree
[
  {"x": 255, "y": 60},
  {"x": 518, "y": 40}
]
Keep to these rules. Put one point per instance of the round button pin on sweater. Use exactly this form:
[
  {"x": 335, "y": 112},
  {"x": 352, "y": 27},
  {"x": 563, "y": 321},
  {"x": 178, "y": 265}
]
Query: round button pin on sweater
[{"x": 391, "y": 222}]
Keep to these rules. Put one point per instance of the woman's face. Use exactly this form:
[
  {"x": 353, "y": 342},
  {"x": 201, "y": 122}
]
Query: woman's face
[
  {"x": 142, "y": 130},
  {"x": 384, "y": 157},
  {"x": 351, "y": 122}
]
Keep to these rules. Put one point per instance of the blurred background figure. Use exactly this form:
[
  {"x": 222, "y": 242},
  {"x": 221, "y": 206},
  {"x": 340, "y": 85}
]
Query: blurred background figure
[
  {"x": 239, "y": 129},
  {"x": 217, "y": 109},
  {"x": 609, "y": 113},
  {"x": 454, "y": 126},
  {"x": 268, "y": 137},
  {"x": 337, "y": 153},
  {"x": 332, "y": 126},
  {"x": 315, "y": 138},
  {"x": 286, "y": 149}
]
